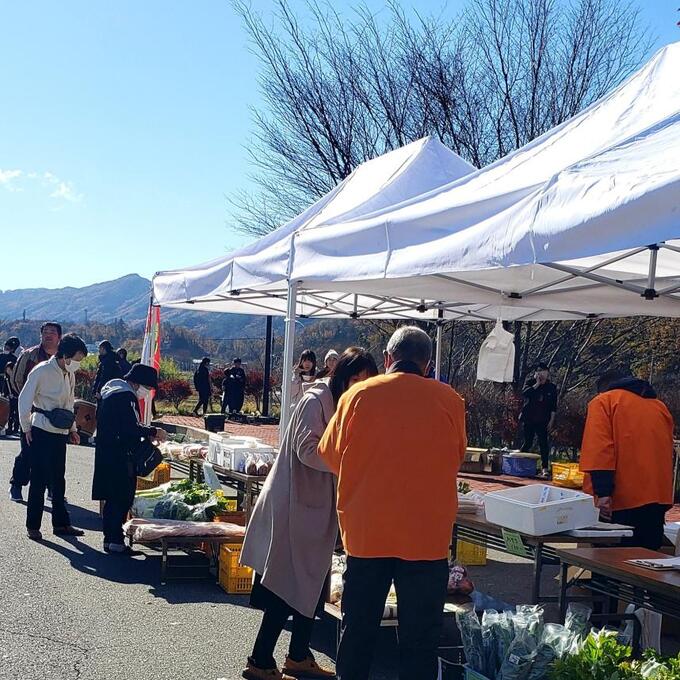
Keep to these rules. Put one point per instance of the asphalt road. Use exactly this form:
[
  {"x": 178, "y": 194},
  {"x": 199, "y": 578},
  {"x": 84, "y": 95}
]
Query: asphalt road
[{"x": 68, "y": 611}]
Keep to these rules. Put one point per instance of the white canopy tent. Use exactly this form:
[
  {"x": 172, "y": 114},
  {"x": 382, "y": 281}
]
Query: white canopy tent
[
  {"x": 578, "y": 223},
  {"x": 255, "y": 279}
]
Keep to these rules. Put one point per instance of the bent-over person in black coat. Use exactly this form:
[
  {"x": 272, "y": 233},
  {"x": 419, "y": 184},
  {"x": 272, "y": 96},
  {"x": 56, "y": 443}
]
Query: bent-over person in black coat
[{"x": 119, "y": 432}]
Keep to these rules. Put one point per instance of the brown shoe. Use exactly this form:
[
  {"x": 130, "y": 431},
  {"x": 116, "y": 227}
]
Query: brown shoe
[
  {"x": 306, "y": 669},
  {"x": 254, "y": 673},
  {"x": 67, "y": 531},
  {"x": 34, "y": 534}
]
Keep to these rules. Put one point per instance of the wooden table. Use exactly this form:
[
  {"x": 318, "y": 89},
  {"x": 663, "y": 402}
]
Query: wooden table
[
  {"x": 182, "y": 543},
  {"x": 475, "y": 528},
  {"x": 614, "y": 578}
]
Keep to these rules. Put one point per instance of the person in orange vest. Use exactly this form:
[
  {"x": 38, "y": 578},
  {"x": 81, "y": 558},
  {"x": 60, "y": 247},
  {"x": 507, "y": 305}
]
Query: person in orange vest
[
  {"x": 396, "y": 436},
  {"x": 627, "y": 455}
]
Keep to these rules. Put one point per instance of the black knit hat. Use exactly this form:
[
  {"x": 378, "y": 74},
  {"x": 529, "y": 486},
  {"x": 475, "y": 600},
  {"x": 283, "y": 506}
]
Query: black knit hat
[{"x": 143, "y": 375}]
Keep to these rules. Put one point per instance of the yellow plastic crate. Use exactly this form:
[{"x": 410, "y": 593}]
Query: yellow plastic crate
[
  {"x": 161, "y": 475},
  {"x": 470, "y": 554},
  {"x": 232, "y": 576},
  {"x": 567, "y": 475}
]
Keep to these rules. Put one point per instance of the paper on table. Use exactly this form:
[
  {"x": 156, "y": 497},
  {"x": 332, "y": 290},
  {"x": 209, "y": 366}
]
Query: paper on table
[{"x": 665, "y": 564}]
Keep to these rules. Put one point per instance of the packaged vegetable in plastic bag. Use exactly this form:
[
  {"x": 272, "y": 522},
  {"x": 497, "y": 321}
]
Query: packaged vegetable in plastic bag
[
  {"x": 529, "y": 620},
  {"x": 554, "y": 644},
  {"x": 251, "y": 465},
  {"x": 471, "y": 637},
  {"x": 503, "y": 633},
  {"x": 517, "y": 664},
  {"x": 577, "y": 620},
  {"x": 489, "y": 645},
  {"x": 261, "y": 467}
]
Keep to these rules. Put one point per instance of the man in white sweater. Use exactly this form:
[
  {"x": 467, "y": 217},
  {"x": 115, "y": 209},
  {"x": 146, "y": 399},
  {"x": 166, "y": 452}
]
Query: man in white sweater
[{"x": 46, "y": 417}]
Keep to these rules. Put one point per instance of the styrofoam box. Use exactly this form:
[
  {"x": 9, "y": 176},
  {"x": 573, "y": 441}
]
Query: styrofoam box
[
  {"x": 540, "y": 510},
  {"x": 219, "y": 444}
]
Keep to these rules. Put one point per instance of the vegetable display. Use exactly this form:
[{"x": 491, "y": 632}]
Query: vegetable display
[
  {"x": 182, "y": 500},
  {"x": 519, "y": 646}
]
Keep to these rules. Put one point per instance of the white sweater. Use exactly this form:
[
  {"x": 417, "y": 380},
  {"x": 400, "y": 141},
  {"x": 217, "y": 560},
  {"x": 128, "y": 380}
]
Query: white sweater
[{"x": 48, "y": 386}]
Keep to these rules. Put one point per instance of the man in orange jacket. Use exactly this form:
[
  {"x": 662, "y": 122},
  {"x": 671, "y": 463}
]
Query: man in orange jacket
[
  {"x": 627, "y": 455},
  {"x": 396, "y": 442}
]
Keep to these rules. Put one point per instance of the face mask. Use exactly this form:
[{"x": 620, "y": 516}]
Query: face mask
[
  {"x": 73, "y": 366},
  {"x": 143, "y": 392}
]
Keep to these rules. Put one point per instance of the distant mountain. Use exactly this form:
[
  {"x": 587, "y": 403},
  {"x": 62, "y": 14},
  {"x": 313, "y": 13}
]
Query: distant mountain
[{"x": 126, "y": 298}]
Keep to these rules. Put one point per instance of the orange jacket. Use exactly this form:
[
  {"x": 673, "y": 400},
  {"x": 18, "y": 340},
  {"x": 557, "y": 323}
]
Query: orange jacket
[
  {"x": 632, "y": 436},
  {"x": 396, "y": 443}
]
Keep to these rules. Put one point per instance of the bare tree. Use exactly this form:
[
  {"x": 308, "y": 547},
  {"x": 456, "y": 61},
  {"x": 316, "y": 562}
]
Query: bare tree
[{"x": 338, "y": 90}]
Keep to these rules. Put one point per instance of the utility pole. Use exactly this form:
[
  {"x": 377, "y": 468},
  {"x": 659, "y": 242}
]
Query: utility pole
[{"x": 267, "y": 367}]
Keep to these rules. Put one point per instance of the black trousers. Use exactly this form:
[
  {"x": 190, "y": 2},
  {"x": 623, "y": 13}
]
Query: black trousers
[
  {"x": 48, "y": 468},
  {"x": 647, "y": 522},
  {"x": 13, "y": 422},
  {"x": 540, "y": 430},
  {"x": 232, "y": 402},
  {"x": 421, "y": 593},
  {"x": 115, "y": 513},
  {"x": 276, "y": 614},
  {"x": 21, "y": 472},
  {"x": 204, "y": 401}
]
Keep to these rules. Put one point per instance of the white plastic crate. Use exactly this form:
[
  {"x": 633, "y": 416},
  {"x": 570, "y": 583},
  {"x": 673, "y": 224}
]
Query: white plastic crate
[
  {"x": 221, "y": 446},
  {"x": 540, "y": 510}
]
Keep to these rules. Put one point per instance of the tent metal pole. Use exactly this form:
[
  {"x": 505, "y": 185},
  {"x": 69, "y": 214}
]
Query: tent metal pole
[
  {"x": 438, "y": 350},
  {"x": 267, "y": 366},
  {"x": 288, "y": 347}
]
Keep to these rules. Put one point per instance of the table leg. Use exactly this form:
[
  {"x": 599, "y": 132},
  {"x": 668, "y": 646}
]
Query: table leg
[
  {"x": 248, "y": 500},
  {"x": 164, "y": 561},
  {"x": 538, "y": 567},
  {"x": 454, "y": 542},
  {"x": 564, "y": 578}
]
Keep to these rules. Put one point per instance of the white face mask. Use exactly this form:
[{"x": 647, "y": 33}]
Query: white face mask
[
  {"x": 143, "y": 392},
  {"x": 73, "y": 366}
]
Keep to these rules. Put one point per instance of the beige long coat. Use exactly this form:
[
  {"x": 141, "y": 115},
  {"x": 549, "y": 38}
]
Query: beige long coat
[{"x": 294, "y": 526}]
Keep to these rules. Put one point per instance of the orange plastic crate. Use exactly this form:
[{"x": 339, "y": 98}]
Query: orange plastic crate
[
  {"x": 161, "y": 475},
  {"x": 567, "y": 475},
  {"x": 233, "y": 577}
]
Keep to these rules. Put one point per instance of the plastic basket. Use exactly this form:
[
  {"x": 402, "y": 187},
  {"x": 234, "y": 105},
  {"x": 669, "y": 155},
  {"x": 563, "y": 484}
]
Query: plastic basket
[
  {"x": 161, "y": 475},
  {"x": 470, "y": 554},
  {"x": 567, "y": 475},
  {"x": 234, "y": 517},
  {"x": 516, "y": 466},
  {"x": 232, "y": 576}
]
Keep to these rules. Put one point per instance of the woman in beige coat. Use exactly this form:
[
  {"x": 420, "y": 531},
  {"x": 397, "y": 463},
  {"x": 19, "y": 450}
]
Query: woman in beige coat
[{"x": 292, "y": 533}]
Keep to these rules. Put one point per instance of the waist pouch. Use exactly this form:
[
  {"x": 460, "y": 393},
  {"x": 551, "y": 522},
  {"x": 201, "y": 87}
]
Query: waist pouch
[{"x": 61, "y": 418}]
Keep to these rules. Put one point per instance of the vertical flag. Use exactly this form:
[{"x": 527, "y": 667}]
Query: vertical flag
[{"x": 151, "y": 353}]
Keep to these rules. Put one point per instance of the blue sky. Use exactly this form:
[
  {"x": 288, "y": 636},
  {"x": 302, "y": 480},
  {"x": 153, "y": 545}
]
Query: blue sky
[{"x": 123, "y": 126}]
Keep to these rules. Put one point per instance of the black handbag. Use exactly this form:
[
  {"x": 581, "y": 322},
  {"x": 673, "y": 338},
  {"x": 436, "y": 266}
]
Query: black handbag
[
  {"x": 61, "y": 418},
  {"x": 147, "y": 457}
]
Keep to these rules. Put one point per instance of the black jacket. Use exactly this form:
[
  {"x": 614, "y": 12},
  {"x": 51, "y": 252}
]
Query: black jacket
[
  {"x": 235, "y": 382},
  {"x": 119, "y": 430},
  {"x": 202, "y": 380},
  {"x": 109, "y": 368}
]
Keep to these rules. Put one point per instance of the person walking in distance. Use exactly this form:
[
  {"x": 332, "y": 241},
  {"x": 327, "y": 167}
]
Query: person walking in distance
[
  {"x": 119, "y": 431},
  {"x": 108, "y": 368},
  {"x": 369, "y": 444},
  {"x": 538, "y": 413},
  {"x": 202, "y": 385},
  {"x": 50, "y": 335},
  {"x": 47, "y": 420}
]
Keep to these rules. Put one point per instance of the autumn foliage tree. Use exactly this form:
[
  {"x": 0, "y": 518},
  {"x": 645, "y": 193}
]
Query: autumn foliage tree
[{"x": 174, "y": 390}]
